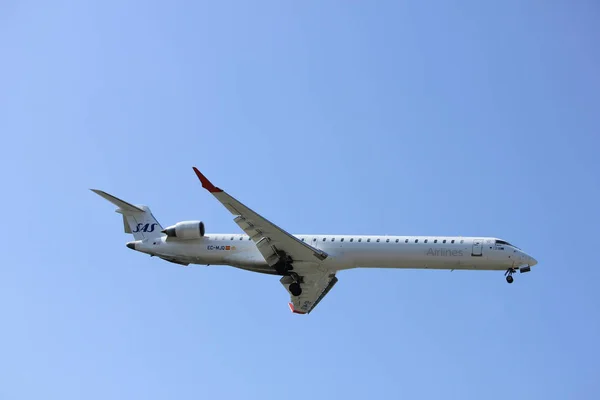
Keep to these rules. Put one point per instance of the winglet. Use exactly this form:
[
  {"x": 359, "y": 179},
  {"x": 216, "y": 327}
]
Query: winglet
[
  {"x": 206, "y": 184},
  {"x": 293, "y": 310}
]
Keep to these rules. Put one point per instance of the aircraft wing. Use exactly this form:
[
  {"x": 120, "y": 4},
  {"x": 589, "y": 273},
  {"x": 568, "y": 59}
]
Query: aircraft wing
[
  {"x": 274, "y": 243},
  {"x": 315, "y": 286},
  {"x": 279, "y": 247}
]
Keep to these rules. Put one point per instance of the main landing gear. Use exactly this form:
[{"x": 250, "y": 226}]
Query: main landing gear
[
  {"x": 294, "y": 287},
  {"x": 508, "y": 275}
]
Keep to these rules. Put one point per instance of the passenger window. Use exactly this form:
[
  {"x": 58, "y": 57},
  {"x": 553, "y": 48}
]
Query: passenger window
[
  {"x": 377, "y": 240},
  {"x": 333, "y": 239},
  {"x": 444, "y": 241},
  {"x": 416, "y": 240},
  {"x": 341, "y": 240},
  {"x": 435, "y": 241},
  {"x": 425, "y": 240},
  {"x": 314, "y": 239},
  {"x": 368, "y": 240},
  {"x": 352, "y": 239},
  {"x": 406, "y": 241},
  {"x": 387, "y": 240},
  {"x": 359, "y": 240},
  {"x": 323, "y": 239},
  {"x": 462, "y": 241},
  {"x": 241, "y": 238},
  {"x": 303, "y": 239},
  {"x": 452, "y": 241},
  {"x": 397, "y": 240}
]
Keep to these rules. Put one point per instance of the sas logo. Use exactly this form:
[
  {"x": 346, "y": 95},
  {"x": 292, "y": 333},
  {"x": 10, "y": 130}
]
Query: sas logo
[
  {"x": 145, "y": 227},
  {"x": 220, "y": 248}
]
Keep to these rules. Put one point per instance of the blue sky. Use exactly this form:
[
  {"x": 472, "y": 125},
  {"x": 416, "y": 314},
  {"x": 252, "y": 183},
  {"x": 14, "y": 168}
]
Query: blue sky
[{"x": 478, "y": 118}]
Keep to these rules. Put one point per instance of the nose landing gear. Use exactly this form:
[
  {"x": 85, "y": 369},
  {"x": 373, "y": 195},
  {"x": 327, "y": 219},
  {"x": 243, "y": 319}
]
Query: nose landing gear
[{"x": 508, "y": 275}]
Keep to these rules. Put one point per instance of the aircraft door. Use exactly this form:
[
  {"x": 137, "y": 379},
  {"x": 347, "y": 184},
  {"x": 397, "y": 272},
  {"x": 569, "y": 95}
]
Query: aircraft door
[{"x": 477, "y": 247}]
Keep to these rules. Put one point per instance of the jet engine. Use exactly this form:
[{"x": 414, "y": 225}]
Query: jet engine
[{"x": 185, "y": 230}]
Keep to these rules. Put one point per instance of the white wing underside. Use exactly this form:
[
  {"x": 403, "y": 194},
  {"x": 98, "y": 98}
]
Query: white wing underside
[{"x": 314, "y": 288}]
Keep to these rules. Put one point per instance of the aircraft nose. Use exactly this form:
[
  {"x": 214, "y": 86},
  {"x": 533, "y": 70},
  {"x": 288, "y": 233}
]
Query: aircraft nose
[{"x": 532, "y": 261}]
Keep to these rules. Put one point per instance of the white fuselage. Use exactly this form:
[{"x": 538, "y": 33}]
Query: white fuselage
[{"x": 349, "y": 251}]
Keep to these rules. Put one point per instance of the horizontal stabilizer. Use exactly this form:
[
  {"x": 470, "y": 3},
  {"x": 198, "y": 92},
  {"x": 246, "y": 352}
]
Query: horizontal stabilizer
[
  {"x": 137, "y": 220},
  {"x": 123, "y": 205}
]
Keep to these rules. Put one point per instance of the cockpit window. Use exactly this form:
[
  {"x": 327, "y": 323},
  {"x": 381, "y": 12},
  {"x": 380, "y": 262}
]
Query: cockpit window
[{"x": 505, "y": 243}]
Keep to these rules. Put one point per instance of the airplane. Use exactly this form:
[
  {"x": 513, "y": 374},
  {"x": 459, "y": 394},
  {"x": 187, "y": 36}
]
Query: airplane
[{"x": 307, "y": 264}]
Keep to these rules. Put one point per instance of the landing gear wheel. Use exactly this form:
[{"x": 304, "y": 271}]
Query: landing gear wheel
[
  {"x": 509, "y": 279},
  {"x": 295, "y": 289}
]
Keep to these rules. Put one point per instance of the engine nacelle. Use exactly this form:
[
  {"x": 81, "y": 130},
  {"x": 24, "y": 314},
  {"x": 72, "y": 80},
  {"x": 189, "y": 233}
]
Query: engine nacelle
[{"x": 186, "y": 230}]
